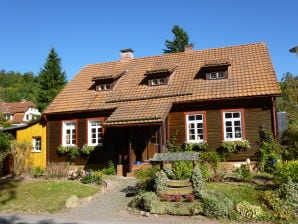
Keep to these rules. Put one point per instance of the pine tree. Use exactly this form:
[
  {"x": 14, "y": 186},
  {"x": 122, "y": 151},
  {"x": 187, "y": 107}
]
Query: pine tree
[
  {"x": 51, "y": 78},
  {"x": 181, "y": 40}
]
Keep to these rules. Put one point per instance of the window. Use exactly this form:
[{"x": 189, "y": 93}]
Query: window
[
  {"x": 95, "y": 132},
  {"x": 69, "y": 133},
  {"x": 217, "y": 75},
  {"x": 232, "y": 126},
  {"x": 157, "y": 81},
  {"x": 36, "y": 144},
  {"x": 104, "y": 87},
  {"x": 195, "y": 127}
]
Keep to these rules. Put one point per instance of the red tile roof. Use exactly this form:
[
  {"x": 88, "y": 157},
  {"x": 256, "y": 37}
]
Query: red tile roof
[
  {"x": 16, "y": 107},
  {"x": 250, "y": 74}
]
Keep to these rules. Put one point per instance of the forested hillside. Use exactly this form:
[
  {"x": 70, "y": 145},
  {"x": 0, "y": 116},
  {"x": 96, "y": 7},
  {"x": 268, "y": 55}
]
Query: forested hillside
[{"x": 15, "y": 86}]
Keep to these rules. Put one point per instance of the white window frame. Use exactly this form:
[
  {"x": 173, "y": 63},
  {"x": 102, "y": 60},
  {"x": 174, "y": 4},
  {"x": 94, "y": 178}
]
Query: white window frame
[
  {"x": 71, "y": 126},
  {"x": 218, "y": 74},
  {"x": 233, "y": 120},
  {"x": 104, "y": 87},
  {"x": 158, "y": 81},
  {"x": 195, "y": 127},
  {"x": 98, "y": 128},
  {"x": 36, "y": 144}
]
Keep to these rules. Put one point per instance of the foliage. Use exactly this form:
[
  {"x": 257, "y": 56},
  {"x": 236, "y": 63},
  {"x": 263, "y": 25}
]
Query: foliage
[
  {"x": 93, "y": 177},
  {"x": 160, "y": 181},
  {"x": 210, "y": 162},
  {"x": 285, "y": 170},
  {"x": 110, "y": 170},
  {"x": 181, "y": 40},
  {"x": 205, "y": 171},
  {"x": 288, "y": 101},
  {"x": 234, "y": 146},
  {"x": 282, "y": 209},
  {"x": 289, "y": 140},
  {"x": 144, "y": 201},
  {"x": 37, "y": 171},
  {"x": 40, "y": 196},
  {"x": 172, "y": 146},
  {"x": 87, "y": 149},
  {"x": 5, "y": 139},
  {"x": 216, "y": 205},
  {"x": 51, "y": 78},
  {"x": 3, "y": 121},
  {"x": 56, "y": 171},
  {"x": 201, "y": 146},
  {"x": 270, "y": 151},
  {"x": 71, "y": 151},
  {"x": 289, "y": 193},
  {"x": 197, "y": 181},
  {"x": 182, "y": 170},
  {"x": 146, "y": 178},
  {"x": 15, "y": 86},
  {"x": 21, "y": 155},
  {"x": 244, "y": 172},
  {"x": 247, "y": 210}
]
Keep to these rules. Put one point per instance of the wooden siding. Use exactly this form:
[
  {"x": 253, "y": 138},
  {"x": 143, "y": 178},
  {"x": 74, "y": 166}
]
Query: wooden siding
[
  {"x": 257, "y": 113},
  {"x": 37, "y": 159}
]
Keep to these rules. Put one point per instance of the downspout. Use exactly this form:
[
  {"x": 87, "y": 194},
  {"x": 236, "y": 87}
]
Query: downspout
[{"x": 274, "y": 116}]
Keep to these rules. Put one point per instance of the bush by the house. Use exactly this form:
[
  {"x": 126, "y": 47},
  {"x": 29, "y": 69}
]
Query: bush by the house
[
  {"x": 71, "y": 151},
  {"x": 286, "y": 170},
  {"x": 146, "y": 178},
  {"x": 21, "y": 156},
  {"x": 110, "y": 170},
  {"x": 160, "y": 182},
  {"x": 197, "y": 181},
  {"x": 93, "y": 177},
  {"x": 37, "y": 172}
]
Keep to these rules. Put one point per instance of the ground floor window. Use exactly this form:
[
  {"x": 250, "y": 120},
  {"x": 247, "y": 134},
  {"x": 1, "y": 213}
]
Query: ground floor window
[
  {"x": 36, "y": 144},
  {"x": 69, "y": 133},
  {"x": 195, "y": 130},
  {"x": 95, "y": 132},
  {"x": 232, "y": 125}
]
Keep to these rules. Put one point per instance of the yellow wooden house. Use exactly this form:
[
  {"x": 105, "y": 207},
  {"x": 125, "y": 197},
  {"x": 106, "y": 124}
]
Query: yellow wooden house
[{"x": 35, "y": 133}]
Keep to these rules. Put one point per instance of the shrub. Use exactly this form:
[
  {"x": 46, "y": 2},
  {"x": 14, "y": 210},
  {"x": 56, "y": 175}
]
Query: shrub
[
  {"x": 197, "y": 181},
  {"x": 56, "y": 170},
  {"x": 110, "y": 170},
  {"x": 201, "y": 146},
  {"x": 235, "y": 146},
  {"x": 160, "y": 182},
  {"x": 169, "y": 172},
  {"x": 286, "y": 170},
  {"x": 290, "y": 142},
  {"x": 93, "y": 177},
  {"x": 212, "y": 159},
  {"x": 71, "y": 151},
  {"x": 205, "y": 171},
  {"x": 146, "y": 178},
  {"x": 37, "y": 172},
  {"x": 244, "y": 172},
  {"x": 21, "y": 155},
  {"x": 87, "y": 149},
  {"x": 247, "y": 210},
  {"x": 5, "y": 139},
  {"x": 182, "y": 169},
  {"x": 144, "y": 201},
  {"x": 216, "y": 205},
  {"x": 289, "y": 193}
]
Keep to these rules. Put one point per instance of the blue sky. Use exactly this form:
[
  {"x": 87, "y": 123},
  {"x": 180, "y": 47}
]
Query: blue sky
[{"x": 94, "y": 31}]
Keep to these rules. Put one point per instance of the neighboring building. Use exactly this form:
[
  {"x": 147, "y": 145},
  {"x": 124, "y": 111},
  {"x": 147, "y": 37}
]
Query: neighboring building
[
  {"x": 18, "y": 113},
  {"x": 133, "y": 106},
  {"x": 33, "y": 132}
]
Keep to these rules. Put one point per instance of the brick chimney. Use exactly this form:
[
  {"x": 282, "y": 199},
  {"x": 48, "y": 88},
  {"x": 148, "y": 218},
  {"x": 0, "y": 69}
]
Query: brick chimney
[
  {"x": 126, "y": 54},
  {"x": 188, "y": 48}
]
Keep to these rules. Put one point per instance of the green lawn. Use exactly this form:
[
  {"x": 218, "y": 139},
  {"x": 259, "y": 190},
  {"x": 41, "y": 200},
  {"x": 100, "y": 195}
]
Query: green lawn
[{"x": 39, "y": 196}]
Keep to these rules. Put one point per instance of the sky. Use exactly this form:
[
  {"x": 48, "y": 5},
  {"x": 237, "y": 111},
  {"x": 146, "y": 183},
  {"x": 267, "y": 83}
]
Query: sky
[{"x": 94, "y": 31}]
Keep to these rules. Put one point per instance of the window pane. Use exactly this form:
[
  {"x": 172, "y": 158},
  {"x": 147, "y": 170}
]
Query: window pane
[
  {"x": 228, "y": 115},
  {"x": 199, "y": 117},
  {"x": 237, "y": 123},
  {"x": 213, "y": 75},
  {"x": 228, "y": 123},
  {"x": 229, "y": 135},
  {"x": 229, "y": 129},
  {"x": 221, "y": 75},
  {"x": 236, "y": 115},
  {"x": 191, "y": 117}
]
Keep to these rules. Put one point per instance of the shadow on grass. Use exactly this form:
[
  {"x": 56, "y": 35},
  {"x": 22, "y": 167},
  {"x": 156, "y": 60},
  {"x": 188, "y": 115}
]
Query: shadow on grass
[
  {"x": 18, "y": 220},
  {"x": 8, "y": 190}
]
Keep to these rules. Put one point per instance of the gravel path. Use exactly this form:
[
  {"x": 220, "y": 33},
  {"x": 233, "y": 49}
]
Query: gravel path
[{"x": 107, "y": 207}]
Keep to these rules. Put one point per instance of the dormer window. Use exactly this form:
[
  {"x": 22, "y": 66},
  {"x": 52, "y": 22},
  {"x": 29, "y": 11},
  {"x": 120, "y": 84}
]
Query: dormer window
[
  {"x": 215, "y": 70},
  {"x": 159, "y": 74},
  {"x": 217, "y": 75},
  {"x": 107, "y": 82}
]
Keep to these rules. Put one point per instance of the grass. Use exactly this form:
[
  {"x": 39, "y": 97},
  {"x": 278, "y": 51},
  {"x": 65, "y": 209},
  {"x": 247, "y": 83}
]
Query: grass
[
  {"x": 237, "y": 193},
  {"x": 39, "y": 196}
]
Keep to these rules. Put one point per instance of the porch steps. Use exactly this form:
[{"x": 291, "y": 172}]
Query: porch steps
[{"x": 136, "y": 167}]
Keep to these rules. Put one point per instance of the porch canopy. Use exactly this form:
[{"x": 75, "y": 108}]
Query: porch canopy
[{"x": 136, "y": 112}]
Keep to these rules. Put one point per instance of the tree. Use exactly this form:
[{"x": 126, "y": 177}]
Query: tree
[
  {"x": 181, "y": 40},
  {"x": 51, "y": 79},
  {"x": 3, "y": 121}
]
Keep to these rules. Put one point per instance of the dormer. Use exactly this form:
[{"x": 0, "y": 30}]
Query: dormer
[
  {"x": 159, "y": 74},
  {"x": 215, "y": 70},
  {"x": 107, "y": 82}
]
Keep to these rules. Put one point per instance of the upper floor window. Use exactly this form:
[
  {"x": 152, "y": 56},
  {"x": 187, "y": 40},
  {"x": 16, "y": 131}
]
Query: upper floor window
[
  {"x": 215, "y": 69},
  {"x": 103, "y": 87},
  {"x": 157, "y": 81},
  {"x": 36, "y": 144},
  {"x": 95, "y": 132},
  {"x": 195, "y": 130},
  {"x": 69, "y": 133},
  {"x": 218, "y": 75},
  {"x": 107, "y": 81},
  {"x": 232, "y": 125},
  {"x": 159, "y": 74}
]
